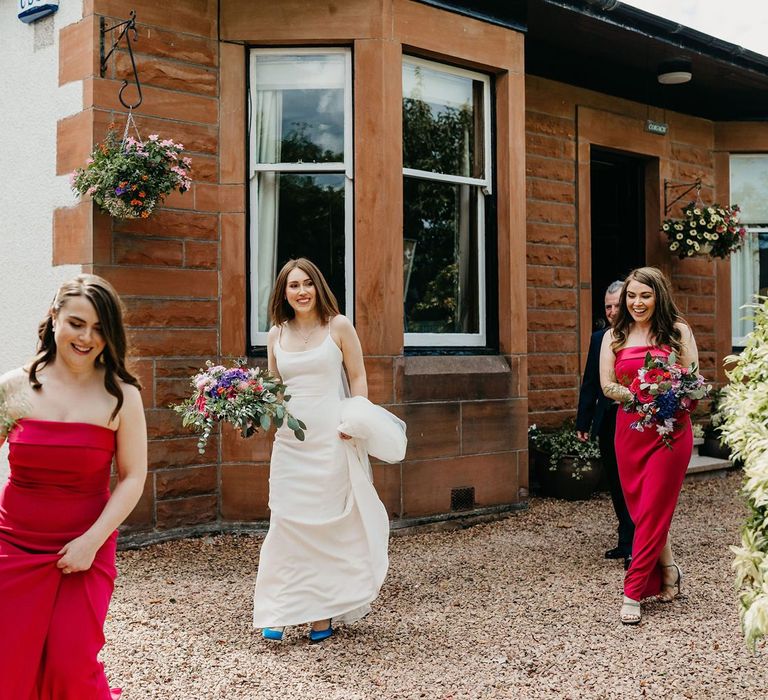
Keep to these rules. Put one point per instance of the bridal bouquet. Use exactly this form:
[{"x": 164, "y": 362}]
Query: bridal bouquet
[
  {"x": 247, "y": 398},
  {"x": 662, "y": 392}
]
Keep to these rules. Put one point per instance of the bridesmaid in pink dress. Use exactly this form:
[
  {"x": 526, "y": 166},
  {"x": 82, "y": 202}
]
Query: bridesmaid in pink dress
[
  {"x": 651, "y": 473},
  {"x": 81, "y": 407}
]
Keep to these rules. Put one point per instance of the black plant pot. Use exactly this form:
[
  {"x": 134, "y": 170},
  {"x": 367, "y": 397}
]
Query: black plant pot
[
  {"x": 561, "y": 482},
  {"x": 712, "y": 447}
]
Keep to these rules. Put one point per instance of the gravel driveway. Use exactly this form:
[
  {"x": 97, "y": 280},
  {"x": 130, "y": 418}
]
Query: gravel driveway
[{"x": 522, "y": 608}]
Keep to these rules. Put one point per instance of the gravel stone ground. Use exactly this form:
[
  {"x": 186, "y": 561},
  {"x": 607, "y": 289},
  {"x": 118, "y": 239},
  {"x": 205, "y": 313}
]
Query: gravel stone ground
[{"x": 525, "y": 607}]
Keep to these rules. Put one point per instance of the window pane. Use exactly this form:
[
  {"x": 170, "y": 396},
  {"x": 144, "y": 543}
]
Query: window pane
[
  {"x": 441, "y": 262},
  {"x": 749, "y": 187},
  {"x": 298, "y": 108},
  {"x": 749, "y": 276},
  {"x": 298, "y": 216},
  {"x": 442, "y": 122}
]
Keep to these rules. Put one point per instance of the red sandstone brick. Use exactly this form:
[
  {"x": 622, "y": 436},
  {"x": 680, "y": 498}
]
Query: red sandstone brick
[
  {"x": 555, "y": 342},
  {"x": 550, "y": 255},
  {"x": 549, "y": 146},
  {"x": 565, "y": 277},
  {"x": 169, "y": 312},
  {"x": 493, "y": 426},
  {"x": 197, "y": 17},
  {"x": 180, "y": 452},
  {"x": 201, "y": 254},
  {"x": 173, "y": 75},
  {"x": 551, "y": 234},
  {"x": 191, "y": 481},
  {"x": 433, "y": 429},
  {"x": 551, "y": 212},
  {"x": 142, "y": 517},
  {"x": 132, "y": 250},
  {"x": 176, "y": 46},
  {"x": 173, "y": 224},
  {"x": 553, "y": 400},
  {"x": 179, "y": 369},
  {"x": 164, "y": 423},
  {"x": 560, "y": 363},
  {"x": 551, "y": 126},
  {"x": 169, "y": 343},
  {"x": 185, "y": 512},
  {"x": 550, "y": 168},
  {"x": 540, "y": 275},
  {"x": 550, "y": 190},
  {"x": 546, "y": 320},
  {"x": 691, "y": 154},
  {"x": 171, "y": 391},
  {"x": 564, "y": 299},
  {"x": 549, "y": 419},
  {"x": 552, "y": 381}
]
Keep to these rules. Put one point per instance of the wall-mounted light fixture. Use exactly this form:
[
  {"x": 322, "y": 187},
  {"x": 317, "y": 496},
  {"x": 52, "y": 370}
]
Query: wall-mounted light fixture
[{"x": 674, "y": 72}]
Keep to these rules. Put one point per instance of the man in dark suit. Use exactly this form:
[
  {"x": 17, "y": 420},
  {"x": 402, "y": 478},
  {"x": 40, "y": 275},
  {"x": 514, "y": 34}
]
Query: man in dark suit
[{"x": 597, "y": 415}]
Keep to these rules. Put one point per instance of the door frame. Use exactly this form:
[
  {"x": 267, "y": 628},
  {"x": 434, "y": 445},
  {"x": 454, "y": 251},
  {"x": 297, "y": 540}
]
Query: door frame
[{"x": 617, "y": 132}]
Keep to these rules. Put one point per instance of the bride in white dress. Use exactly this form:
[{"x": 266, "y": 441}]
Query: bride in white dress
[{"x": 325, "y": 555}]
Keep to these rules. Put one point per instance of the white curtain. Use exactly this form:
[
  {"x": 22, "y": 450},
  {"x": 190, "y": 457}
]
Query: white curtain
[
  {"x": 745, "y": 276},
  {"x": 267, "y": 131}
]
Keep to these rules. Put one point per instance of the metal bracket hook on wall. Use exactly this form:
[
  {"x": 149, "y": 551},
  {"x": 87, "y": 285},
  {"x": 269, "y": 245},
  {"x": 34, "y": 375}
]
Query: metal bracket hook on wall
[
  {"x": 668, "y": 185},
  {"x": 127, "y": 26}
]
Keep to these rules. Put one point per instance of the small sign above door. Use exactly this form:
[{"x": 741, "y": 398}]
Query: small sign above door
[{"x": 659, "y": 128}]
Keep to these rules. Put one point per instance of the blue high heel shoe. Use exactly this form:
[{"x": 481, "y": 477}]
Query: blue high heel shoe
[
  {"x": 272, "y": 633},
  {"x": 316, "y": 636}
]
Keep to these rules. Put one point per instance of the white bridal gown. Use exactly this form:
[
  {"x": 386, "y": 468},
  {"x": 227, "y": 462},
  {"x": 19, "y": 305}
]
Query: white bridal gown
[{"x": 325, "y": 555}]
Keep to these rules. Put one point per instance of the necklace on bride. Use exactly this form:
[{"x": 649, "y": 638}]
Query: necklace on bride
[{"x": 308, "y": 335}]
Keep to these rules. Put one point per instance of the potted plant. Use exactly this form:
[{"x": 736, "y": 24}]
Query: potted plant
[
  {"x": 713, "y": 445},
  {"x": 127, "y": 178},
  {"x": 705, "y": 230},
  {"x": 565, "y": 466}
]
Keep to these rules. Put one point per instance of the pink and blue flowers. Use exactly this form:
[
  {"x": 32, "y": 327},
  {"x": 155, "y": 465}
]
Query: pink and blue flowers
[
  {"x": 662, "y": 393},
  {"x": 248, "y": 398}
]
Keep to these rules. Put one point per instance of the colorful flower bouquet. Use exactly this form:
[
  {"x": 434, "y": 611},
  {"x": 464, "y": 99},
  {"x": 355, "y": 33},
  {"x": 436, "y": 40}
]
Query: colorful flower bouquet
[
  {"x": 127, "y": 178},
  {"x": 247, "y": 398},
  {"x": 662, "y": 392},
  {"x": 713, "y": 231}
]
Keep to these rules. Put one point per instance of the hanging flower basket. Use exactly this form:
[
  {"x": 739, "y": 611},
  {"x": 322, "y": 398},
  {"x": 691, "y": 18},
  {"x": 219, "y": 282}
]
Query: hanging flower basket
[
  {"x": 127, "y": 178},
  {"x": 705, "y": 230}
]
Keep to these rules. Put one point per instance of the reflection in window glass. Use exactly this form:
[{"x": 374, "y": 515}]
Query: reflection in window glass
[
  {"x": 298, "y": 110},
  {"x": 303, "y": 216},
  {"x": 749, "y": 276},
  {"x": 441, "y": 264},
  {"x": 442, "y": 122}
]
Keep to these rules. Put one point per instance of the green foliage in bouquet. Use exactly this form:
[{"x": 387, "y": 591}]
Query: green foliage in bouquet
[
  {"x": 127, "y": 178},
  {"x": 564, "y": 442},
  {"x": 703, "y": 230},
  {"x": 248, "y": 398},
  {"x": 12, "y": 406},
  {"x": 744, "y": 406}
]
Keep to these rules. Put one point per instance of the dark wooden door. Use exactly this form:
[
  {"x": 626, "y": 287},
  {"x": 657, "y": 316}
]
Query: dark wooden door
[{"x": 618, "y": 221}]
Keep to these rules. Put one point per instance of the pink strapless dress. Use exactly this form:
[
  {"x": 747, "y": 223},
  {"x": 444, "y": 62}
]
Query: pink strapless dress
[
  {"x": 651, "y": 477},
  {"x": 51, "y": 624}
]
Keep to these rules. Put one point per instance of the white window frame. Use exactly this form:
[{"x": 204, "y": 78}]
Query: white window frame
[
  {"x": 484, "y": 189},
  {"x": 346, "y": 168},
  {"x": 752, "y": 230}
]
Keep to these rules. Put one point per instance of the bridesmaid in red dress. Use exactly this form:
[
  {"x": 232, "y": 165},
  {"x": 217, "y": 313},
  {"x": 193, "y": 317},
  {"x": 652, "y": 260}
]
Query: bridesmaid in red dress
[
  {"x": 80, "y": 408},
  {"x": 651, "y": 473}
]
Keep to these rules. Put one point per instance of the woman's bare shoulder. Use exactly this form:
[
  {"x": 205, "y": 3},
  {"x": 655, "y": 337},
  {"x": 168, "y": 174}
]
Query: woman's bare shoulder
[{"x": 340, "y": 322}]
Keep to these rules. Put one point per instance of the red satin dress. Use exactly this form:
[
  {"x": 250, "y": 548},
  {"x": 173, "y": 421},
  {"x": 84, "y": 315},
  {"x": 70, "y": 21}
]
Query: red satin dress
[
  {"x": 51, "y": 624},
  {"x": 651, "y": 477}
]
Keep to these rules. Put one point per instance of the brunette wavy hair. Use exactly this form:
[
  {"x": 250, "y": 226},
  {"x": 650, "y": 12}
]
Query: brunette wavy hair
[
  {"x": 109, "y": 311},
  {"x": 665, "y": 314},
  {"x": 325, "y": 301}
]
